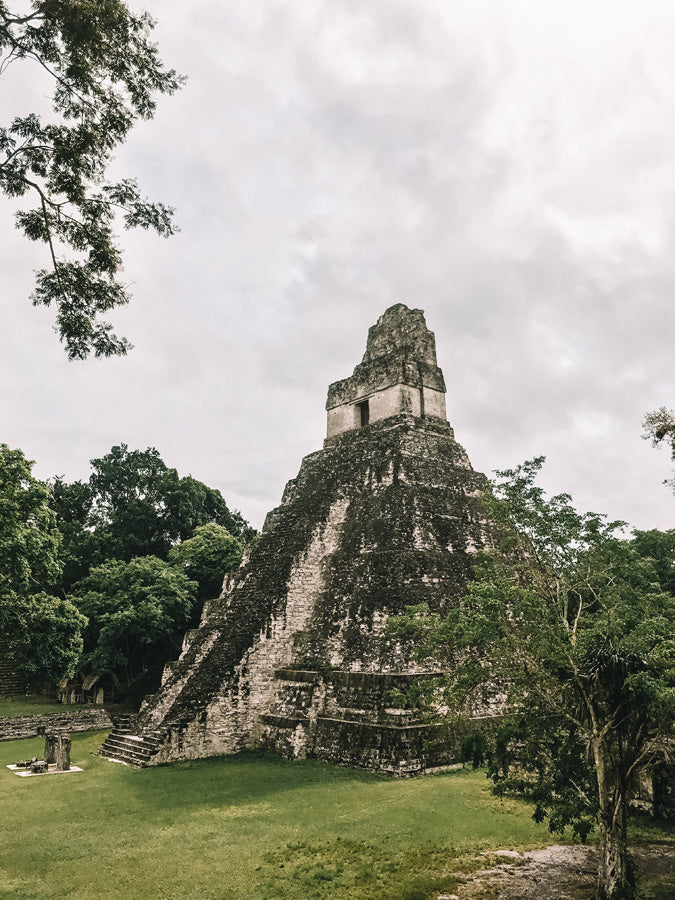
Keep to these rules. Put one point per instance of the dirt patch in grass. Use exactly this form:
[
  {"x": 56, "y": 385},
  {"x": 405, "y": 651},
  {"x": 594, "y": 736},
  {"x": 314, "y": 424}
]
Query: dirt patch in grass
[{"x": 565, "y": 873}]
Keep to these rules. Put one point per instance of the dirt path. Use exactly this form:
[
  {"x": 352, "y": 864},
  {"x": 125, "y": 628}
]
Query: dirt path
[{"x": 558, "y": 873}]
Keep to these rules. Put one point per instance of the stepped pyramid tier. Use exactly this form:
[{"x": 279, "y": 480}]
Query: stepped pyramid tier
[{"x": 293, "y": 656}]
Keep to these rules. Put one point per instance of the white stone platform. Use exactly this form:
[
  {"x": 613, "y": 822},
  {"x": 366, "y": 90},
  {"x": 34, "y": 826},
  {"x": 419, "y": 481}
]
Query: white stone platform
[{"x": 52, "y": 770}]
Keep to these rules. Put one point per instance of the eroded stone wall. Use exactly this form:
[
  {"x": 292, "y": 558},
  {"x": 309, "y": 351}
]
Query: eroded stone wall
[
  {"x": 351, "y": 718},
  {"x": 14, "y": 728}
]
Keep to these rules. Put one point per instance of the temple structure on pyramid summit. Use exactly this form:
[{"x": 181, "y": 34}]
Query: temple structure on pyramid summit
[{"x": 293, "y": 657}]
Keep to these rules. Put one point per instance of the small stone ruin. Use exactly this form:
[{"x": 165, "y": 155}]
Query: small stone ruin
[
  {"x": 57, "y": 750},
  {"x": 56, "y": 755}
]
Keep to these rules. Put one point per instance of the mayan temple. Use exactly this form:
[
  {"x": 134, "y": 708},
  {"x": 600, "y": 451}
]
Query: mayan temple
[{"x": 293, "y": 656}]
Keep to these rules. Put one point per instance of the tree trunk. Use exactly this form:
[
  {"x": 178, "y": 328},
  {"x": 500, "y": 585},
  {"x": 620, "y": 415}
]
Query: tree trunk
[
  {"x": 615, "y": 872},
  {"x": 615, "y": 881}
]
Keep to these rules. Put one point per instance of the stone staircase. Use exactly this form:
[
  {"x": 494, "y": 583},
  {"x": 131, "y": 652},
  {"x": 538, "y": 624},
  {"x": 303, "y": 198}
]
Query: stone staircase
[{"x": 124, "y": 745}]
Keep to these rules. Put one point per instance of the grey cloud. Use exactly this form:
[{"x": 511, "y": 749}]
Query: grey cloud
[{"x": 327, "y": 161}]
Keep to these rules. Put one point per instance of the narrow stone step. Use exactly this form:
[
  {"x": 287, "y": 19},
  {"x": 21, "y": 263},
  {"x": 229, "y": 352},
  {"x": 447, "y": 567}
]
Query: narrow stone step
[
  {"x": 123, "y": 757},
  {"x": 134, "y": 749},
  {"x": 133, "y": 742},
  {"x": 112, "y": 747},
  {"x": 284, "y": 721},
  {"x": 138, "y": 743}
]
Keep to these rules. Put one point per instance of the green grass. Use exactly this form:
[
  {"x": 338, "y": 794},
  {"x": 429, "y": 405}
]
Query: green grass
[
  {"x": 243, "y": 828},
  {"x": 34, "y": 705}
]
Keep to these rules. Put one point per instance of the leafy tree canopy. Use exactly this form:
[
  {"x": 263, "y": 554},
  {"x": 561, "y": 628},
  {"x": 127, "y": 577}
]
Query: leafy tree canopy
[
  {"x": 659, "y": 547},
  {"x": 133, "y": 505},
  {"x": 106, "y": 74},
  {"x": 72, "y": 504},
  {"x": 29, "y": 538},
  {"x": 52, "y": 638},
  {"x": 207, "y": 557},
  {"x": 572, "y": 624},
  {"x": 137, "y": 612},
  {"x": 38, "y": 628}
]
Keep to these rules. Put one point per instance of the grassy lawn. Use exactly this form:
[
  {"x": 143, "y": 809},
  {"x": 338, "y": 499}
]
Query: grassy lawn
[
  {"x": 34, "y": 705},
  {"x": 242, "y": 828}
]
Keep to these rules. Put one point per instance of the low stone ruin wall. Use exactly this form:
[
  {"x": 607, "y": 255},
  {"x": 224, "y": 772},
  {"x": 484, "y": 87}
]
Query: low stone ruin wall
[{"x": 14, "y": 728}]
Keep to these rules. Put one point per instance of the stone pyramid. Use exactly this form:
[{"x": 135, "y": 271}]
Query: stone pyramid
[{"x": 293, "y": 656}]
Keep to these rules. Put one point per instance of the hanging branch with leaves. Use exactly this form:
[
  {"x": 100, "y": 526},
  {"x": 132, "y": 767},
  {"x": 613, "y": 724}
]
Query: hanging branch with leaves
[{"x": 106, "y": 74}]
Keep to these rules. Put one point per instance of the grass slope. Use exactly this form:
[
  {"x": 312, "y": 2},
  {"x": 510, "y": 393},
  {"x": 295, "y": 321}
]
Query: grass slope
[
  {"x": 248, "y": 828},
  {"x": 242, "y": 828},
  {"x": 33, "y": 706}
]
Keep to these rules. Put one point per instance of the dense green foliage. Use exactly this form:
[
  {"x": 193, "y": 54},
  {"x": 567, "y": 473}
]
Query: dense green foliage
[
  {"x": 41, "y": 630},
  {"x": 133, "y": 505},
  {"x": 573, "y": 623},
  {"x": 51, "y": 641},
  {"x": 29, "y": 539},
  {"x": 100, "y": 549},
  {"x": 137, "y": 612},
  {"x": 105, "y": 73},
  {"x": 79, "y": 542},
  {"x": 659, "y": 547},
  {"x": 207, "y": 557},
  {"x": 143, "y": 549}
]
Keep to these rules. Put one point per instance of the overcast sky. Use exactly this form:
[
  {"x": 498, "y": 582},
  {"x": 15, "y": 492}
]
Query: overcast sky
[{"x": 507, "y": 167}]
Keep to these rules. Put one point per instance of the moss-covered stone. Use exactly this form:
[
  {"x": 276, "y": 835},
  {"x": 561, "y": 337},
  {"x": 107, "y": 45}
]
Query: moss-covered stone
[{"x": 293, "y": 655}]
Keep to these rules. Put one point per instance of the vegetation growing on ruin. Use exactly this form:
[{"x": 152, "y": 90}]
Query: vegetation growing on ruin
[{"x": 576, "y": 624}]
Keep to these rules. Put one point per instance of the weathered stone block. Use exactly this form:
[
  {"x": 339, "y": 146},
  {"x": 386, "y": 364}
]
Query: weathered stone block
[
  {"x": 57, "y": 750},
  {"x": 14, "y": 728}
]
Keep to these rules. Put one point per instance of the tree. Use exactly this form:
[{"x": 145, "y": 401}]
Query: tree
[
  {"x": 132, "y": 495},
  {"x": 133, "y": 505},
  {"x": 571, "y": 623},
  {"x": 659, "y": 426},
  {"x": 106, "y": 74},
  {"x": 80, "y": 544},
  {"x": 141, "y": 506},
  {"x": 51, "y": 643},
  {"x": 659, "y": 546},
  {"x": 207, "y": 557},
  {"x": 40, "y": 629},
  {"x": 137, "y": 614}
]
